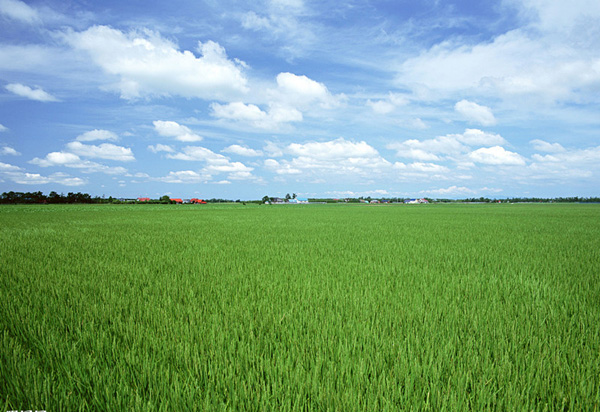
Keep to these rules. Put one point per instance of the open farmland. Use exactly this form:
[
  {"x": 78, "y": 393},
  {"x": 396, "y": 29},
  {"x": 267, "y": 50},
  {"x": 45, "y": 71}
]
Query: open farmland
[{"x": 320, "y": 307}]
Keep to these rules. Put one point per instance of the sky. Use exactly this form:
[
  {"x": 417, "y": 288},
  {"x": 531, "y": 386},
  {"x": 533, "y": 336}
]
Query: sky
[{"x": 238, "y": 100}]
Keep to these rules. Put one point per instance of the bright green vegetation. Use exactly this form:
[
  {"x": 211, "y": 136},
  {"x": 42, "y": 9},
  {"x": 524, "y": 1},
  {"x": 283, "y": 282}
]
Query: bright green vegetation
[{"x": 319, "y": 307}]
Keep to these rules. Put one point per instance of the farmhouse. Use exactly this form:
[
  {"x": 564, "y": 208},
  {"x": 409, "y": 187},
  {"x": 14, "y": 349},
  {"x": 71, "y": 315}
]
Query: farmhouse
[
  {"x": 143, "y": 199},
  {"x": 178, "y": 201},
  {"x": 415, "y": 201},
  {"x": 299, "y": 200}
]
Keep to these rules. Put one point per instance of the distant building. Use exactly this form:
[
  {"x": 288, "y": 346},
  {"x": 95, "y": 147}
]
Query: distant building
[
  {"x": 178, "y": 201},
  {"x": 299, "y": 200},
  {"x": 415, "y": 201},
  {"x": 143, "y": 199}
]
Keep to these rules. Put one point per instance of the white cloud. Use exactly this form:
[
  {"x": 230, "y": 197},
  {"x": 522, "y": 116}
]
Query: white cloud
[
  {"x": 5, "y": 167},
  {"x": 282, "y": 169},
  {"x": 573, "y": 157},
  {"x": 336, "y": 157},
  {"x": 543, "y": 60},
  {"x": 215, "y": 163},
  {"x": 33, "y": 94},
  {"x": 3, "y": 128},
  {"x": 148, "y": 65},
  {"x": 17, "y": 10},
  {"x": 350, "y": 193},
  {"x": 417, "y": 123},
  {"x": 103, "y": 151},
  {"x": 198, "y": 153},
  {"x": 66, "y": 159},
  {"x": 302, "y": 92},
  {"x": 160, "y": 148},
  {"x": 496, "y": 155},
  {"x": 97, "y": 134},
  {"x": 242, "y": 151},
  {"x": 9, "y": 151},
  {"x": 333, "y": 150},
  {"x": 452, "y": 190},
  {"x": 174, "y": 129},
  {"x": 476, "y": 137},
  {"x": 428, "y": 149},
  {"x": 26, "y": 178},
  {"x": 389, "y": 104},
  {"x": 544, "y": 146},
  {"x": 450, "y": 145},
  {"x": 565, "y": 165},
  {"x": 253, "y": 115},
  {"x": 421, "y": 167},
  {"x": 475, "y": 113},
  {"x": 273, "y": 149},
  {"x": 282, "y": 20},
  {"x": 185, "y": 176}
]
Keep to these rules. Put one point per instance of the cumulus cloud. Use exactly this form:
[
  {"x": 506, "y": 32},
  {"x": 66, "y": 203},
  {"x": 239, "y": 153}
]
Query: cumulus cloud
[
  {"x": 448, "y": 145},
  {"x": 242, "y": 151},
  {"x": 33, "y": 94},
  {"x": 25, "y": 178},
  {"x": 496, "y": 155},
  {"x": 284, "y": 104},
  {"x": 475, "y": 113},
  {"x": 214, "y": 163},
  {"x": 350, "y": 193},
  {"x": 160, "y": 148},
  {"x": 17, "y": 10},
  {"x": 302, "y": 91},
  {"x": 103, "y": 151},
  {"x": 251, "y": 114},
  {"x": 389, "y": 104},
  {"x": 174, "y": 129},
  {"x": 567, "y": 164},
  {"x": 421, "y": 167},
  {"x": 282, "y": 19},
  {"x": 5, "y": 150},
  {"x": 428, "y": 149},
  {"x": 149, "y": 65},
  {"x": 185, "y": 176},
  {"x": 573, "y": 157},
  {"x": 339, "y": 157},
  {"x": 66, "y": 159},
  {"x": 5, "y": 167},
  {"x": 449, "y": 191},
  {"x": 549, "y": 58},
  {"x": 198, "y": 153},
  {"x": 476, "y": 137},
  {"x": 283, "y": 169},
  {"x": 97, "y": 134},
  {"x": 546, "y": 147},
  {"x": 333, "y": 150}
]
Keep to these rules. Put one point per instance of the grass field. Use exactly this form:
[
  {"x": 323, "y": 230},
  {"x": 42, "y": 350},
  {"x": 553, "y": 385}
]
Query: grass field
[{"x": 318, "y": 307}]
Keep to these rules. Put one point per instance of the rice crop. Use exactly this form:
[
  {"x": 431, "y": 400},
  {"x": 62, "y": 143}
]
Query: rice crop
[{"x": 307, "y": 307}]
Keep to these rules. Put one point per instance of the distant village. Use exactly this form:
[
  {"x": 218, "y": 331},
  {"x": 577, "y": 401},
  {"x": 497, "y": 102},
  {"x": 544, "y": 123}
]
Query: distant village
[{"x": 71, "y": 197}]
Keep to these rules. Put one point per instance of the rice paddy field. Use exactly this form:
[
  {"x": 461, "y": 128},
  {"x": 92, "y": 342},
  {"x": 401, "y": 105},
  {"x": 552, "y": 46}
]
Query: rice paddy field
[{"x": 305, "y": 307}]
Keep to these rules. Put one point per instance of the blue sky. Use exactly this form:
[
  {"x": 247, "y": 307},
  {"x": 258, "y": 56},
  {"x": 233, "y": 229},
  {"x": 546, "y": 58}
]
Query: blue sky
[{"x": 237, "y": 100}]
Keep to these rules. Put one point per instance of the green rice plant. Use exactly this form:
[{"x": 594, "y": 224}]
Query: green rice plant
[{"x": 317, "y": 307}]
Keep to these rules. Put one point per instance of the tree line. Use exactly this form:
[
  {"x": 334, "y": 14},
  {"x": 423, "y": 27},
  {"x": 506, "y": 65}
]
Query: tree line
[{"x": 71, "y": 197}]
